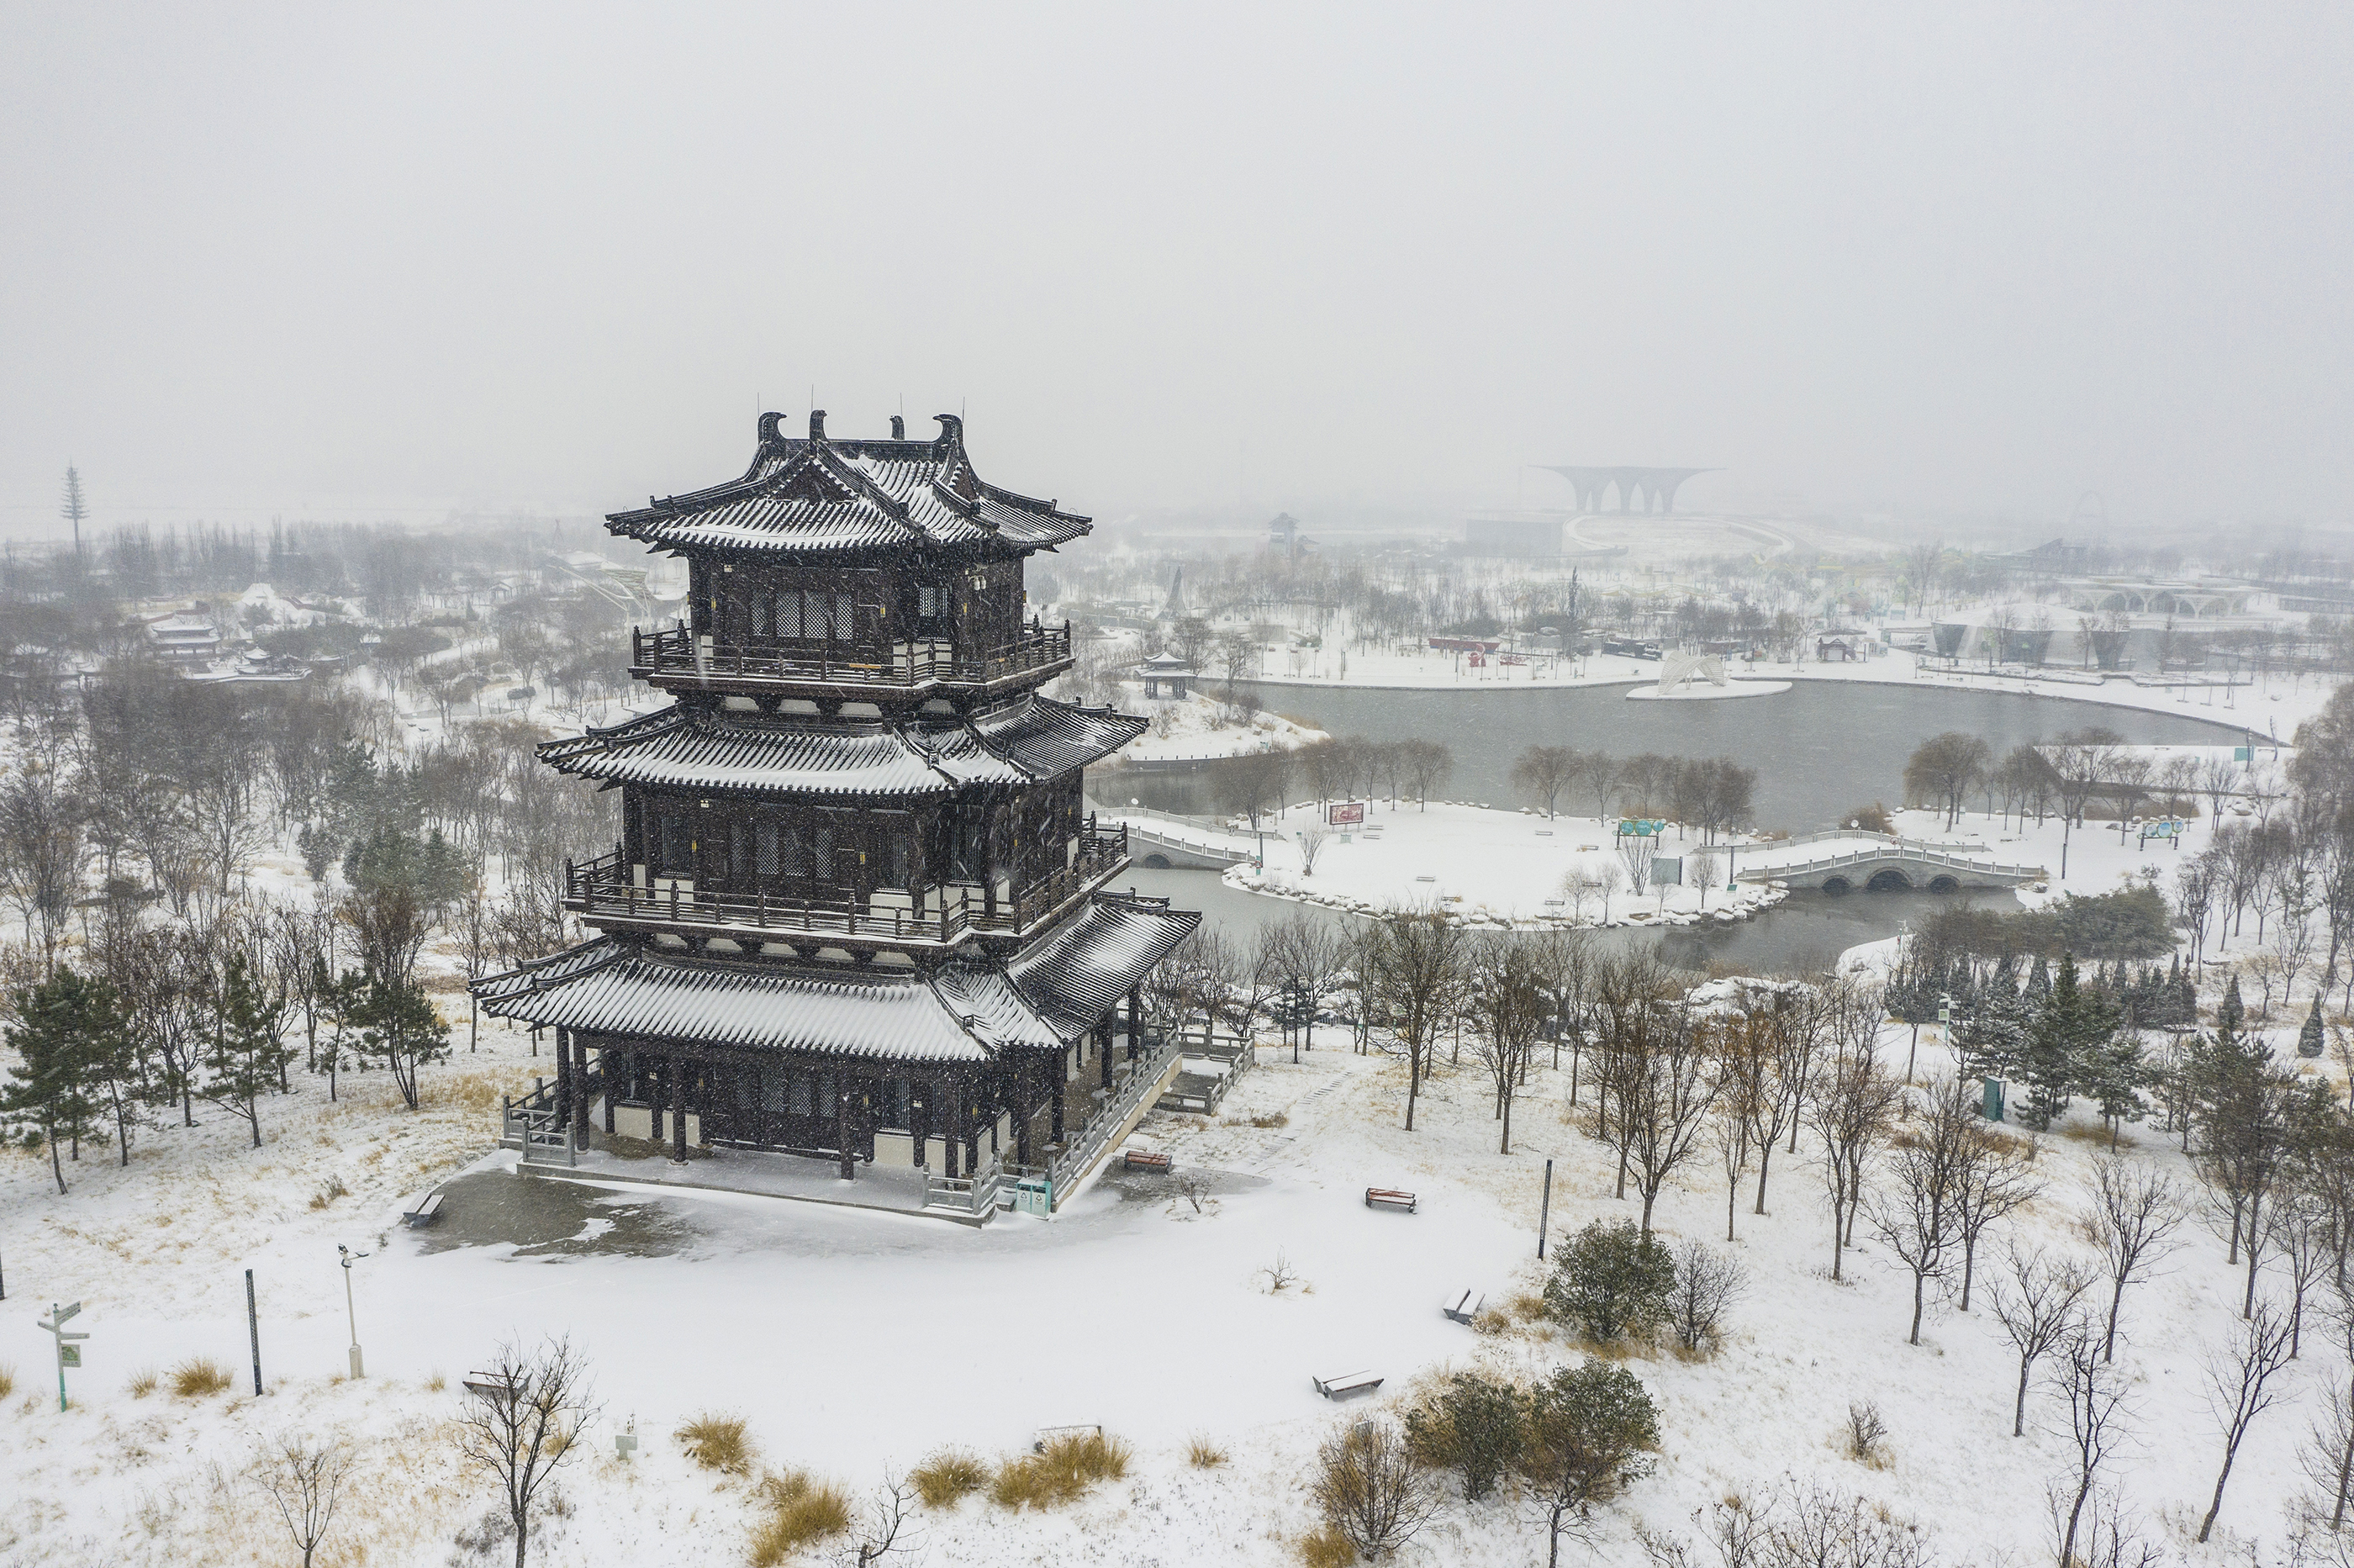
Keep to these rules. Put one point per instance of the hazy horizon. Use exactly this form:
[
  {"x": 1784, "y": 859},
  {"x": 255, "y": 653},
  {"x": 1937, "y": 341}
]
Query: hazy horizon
[{"x": 281, "y": 261}]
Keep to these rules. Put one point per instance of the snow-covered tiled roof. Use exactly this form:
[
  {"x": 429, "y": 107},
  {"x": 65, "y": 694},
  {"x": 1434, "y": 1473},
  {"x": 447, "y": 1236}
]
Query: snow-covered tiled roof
[
  {"x": 821, "y": 495},
  {"x": 686, "y": 747}
]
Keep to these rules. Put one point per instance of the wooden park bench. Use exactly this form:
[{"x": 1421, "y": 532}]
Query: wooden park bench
[
  {"x": 1389, "y": 1198},
  {"x": 1347, "y": 1383},
  {"x": 427, "y": 1211},
  {"x": 1466, "y": 1308},
  {"x": 1147, "y": 1160}
]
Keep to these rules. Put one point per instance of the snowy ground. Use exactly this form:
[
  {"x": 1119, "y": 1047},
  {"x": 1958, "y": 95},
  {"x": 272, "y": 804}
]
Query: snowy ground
[
  {"x": 1199, "y": 727},
  {"x": 855, "y": 1343},
  {"x": 2274, "y": 706},
  {"x": 1485, "y": 866}
]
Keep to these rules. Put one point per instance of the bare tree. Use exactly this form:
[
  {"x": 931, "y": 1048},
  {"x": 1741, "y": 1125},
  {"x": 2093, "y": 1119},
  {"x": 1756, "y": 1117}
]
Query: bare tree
[
  {"x": 304, "y": 1478},
  {"x": 1707, "y": 1282},
  {"x": 1664, "y": 1096},
  {"x": 2096, "y": 1429},
  {"x": 2136, "y": 1212},
  {"x": 1513, "y": 1006},
  {"x": 1544, "y": 771},
  {"x": 1995, "y": 1180},
  {"x": 1917, "y": 1215},
  {"x": 2038, "y": 1309},
  {"x": 1783, "y": 1061},
  {"x": 2239, "y": 1388},
  {"x": 1418, "y": 968},
  {"x": 1309, "y": 955},
  {"x": 522, "y": 1418},
  {"x": 2328, "y": 1452},
  {"x": 1852, "y": 1108},
  {"x": 876, "y": 1534},
  {"x": 1312, "y": 840}
]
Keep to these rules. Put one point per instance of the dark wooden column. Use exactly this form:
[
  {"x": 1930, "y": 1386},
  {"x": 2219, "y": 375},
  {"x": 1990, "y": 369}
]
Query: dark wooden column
[
  {"x": 1022, "y": 1076},
  {"x": 842, "y": 1128},
  {"x": 1103, "y": 1045},
  {"x": 1135, "y": 1020},
  {"x": 953, "y": 1124},
  {"x": 1061, "y": 1083},
  {"x": 607, "y": 1062},
  {"x": 564, "y": 1079},
  {"x": 579, "y": 1054},
  {"x": 678, "y": 1109}
]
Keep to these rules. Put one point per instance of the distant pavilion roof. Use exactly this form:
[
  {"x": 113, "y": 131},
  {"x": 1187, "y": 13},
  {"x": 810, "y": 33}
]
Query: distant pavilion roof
[
  {"x": 689, "y": 748},
  {"x": 961, "y": 1012},
  {"x": 821, "y": 495}
]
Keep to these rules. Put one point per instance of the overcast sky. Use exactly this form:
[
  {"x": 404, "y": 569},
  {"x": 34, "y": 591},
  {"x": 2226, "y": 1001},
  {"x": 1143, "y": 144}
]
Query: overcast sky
[{"x": 313, "y": 260}]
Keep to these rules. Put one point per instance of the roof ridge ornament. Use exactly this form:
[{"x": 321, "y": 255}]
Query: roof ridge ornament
[
  {"x": 769, "y": 430},
  {"x": 817, "y": 423},
  {"x": 952, "y": 429}
]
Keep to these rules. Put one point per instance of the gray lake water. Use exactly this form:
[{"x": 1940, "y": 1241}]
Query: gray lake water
[{"x": 1820, "y": 750}]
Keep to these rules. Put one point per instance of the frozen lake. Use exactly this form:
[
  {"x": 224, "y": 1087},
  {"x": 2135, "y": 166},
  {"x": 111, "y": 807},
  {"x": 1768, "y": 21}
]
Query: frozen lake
[{"x": 1821, "y": 749}]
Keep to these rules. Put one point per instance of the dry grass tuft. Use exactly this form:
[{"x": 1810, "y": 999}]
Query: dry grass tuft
[
  {"x": 1060, "y": 1472},
  {"x": 1202, "y": 1454},
  {"x": 2095, "y": 1134},
  {"x": 1277, "y": 1119},
  {"x": 801, "y": 1513},
  {"x": 198, "y": 1376},
  {"x": 143, "y": 1383},
  {"x": 435, "y": 1382},
  {"x": 1328, "y": 1548},
  {"x": 7, "y": 1379},
  {"x": 718, "y": 1443},
  {"x": 477, "y": 1091},
  {"x": 327, "y": 1195},
  {"x": 1491, "y": 1321},
  {"x": 948, "y": 1478}
]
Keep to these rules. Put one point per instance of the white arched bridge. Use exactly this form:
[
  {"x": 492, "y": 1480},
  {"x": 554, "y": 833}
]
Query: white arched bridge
[{"x": 1852, "y": 861}]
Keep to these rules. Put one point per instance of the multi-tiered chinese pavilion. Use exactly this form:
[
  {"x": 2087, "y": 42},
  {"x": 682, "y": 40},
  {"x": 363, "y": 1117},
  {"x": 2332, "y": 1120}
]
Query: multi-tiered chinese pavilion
[{"x": 856, "y": 909}]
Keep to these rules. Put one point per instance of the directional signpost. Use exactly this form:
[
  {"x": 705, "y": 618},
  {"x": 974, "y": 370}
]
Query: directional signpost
[{"x": 69, "y": 1346}]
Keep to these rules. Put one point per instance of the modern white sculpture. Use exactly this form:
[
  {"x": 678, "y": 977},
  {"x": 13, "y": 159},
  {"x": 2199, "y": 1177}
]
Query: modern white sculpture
[{"x": 1680, "y": 670}]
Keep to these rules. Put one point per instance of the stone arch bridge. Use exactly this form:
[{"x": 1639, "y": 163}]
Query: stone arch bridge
[{"x": 1848, "y": 863}]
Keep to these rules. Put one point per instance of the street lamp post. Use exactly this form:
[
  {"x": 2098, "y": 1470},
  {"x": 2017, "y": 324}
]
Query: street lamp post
[{"x": 351, "y": 1313}]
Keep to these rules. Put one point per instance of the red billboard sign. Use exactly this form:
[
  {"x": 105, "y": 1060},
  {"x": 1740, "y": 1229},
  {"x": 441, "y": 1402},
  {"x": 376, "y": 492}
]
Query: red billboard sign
[{"x": 1346, "y": 813}]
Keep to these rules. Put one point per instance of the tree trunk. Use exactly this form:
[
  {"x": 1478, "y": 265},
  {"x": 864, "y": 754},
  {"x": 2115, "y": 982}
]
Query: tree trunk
[
  {"x": 1919, "y": 1281},
  {"x": 57, "y": 1166},
  {"x": 2019, "y": 1411},
  {"x": 1650, "y": 1196},
  {"x": 1413, "y": 1082},
  {"x": 1969, "y": 1266},
  {"x": 2068, "y": 1541},
  {"x": 2206, "y": 1525},
  {"x": 1765, "y": 1158},
  {"x": 1507, "y": 1147}
]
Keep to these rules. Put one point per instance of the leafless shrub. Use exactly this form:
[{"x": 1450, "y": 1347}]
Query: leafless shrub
[
  {"x": 1281, "y": 1275},
  {"x": 1865, "y": 1431},
  {"x": 1191, "y": 1186},
  {"x": 304, "y": 1479},
  {"x": 1372, "y": 1488},
  {"x": 1707, "y": 1282},
  {"x": 876, "y": 1533}
]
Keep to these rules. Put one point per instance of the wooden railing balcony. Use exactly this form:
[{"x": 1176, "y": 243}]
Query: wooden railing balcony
[
  {"x": 906, "y": 666},
  {"x": 604, "y": 892}
]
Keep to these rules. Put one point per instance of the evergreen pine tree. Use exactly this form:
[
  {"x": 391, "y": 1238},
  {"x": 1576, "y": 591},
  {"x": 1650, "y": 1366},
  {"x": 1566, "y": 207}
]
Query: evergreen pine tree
[
  {"x": 50, "y": 1082},
  {"x": 246, "y": 1057},
  {"x": 2038, "y": 982},
  {"x": 397, "y": 1022},
  {"x": 2308, "y": 1039}
]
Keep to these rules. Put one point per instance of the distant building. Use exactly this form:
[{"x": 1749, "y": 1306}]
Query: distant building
[
  {"x": 185, "y": 639},
  {"x": 1166, "y": 675}
]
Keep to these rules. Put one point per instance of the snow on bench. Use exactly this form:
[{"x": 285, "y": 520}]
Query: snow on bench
[
  {"x": 427, "y": 1211},
  {"x": 1467, "y": 1306},
  {"x": 1346, "y": 1383},
  {"x": 1389, "y": 1198},
  {"x": 1147, "y": 1160}
]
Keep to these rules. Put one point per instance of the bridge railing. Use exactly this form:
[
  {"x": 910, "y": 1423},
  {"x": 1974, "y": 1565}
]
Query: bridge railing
[{"x": 1889, "y": 855}]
